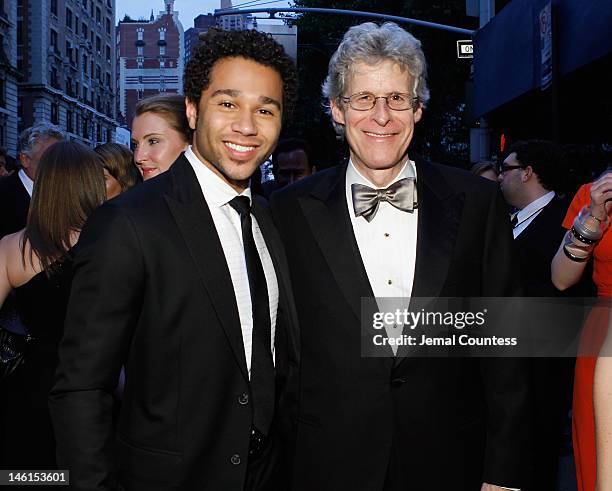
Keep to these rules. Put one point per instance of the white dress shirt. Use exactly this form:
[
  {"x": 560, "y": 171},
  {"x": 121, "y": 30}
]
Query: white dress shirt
[
  {"x": 28, "y": 183},
  {"x": 218, "y": 194},
  {"x": 532, "y": 210},
  {"x": 387, "y": 246}
]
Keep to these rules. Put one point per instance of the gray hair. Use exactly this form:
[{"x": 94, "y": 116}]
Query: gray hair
[
  {"x": 371, "y": 43},
  {"x": 31, "y": 136}
]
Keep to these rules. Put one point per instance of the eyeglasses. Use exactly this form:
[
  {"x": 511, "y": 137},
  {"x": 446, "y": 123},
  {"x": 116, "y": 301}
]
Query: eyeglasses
[
  {"x": 397, "y": 101},
  {"x": 504, "y": 168}
]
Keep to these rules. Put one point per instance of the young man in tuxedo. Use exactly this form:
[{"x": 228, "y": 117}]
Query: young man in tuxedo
[
  {"x": 184, "y": 283},
  {"x": 390, "y": 225}
]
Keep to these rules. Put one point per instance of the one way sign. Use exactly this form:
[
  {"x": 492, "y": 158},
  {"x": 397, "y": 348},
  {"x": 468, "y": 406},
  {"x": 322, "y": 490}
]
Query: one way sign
[{"x": 465, "y": 49}]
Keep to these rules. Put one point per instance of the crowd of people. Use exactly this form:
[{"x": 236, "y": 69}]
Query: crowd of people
[{"x": 168, "y": 321}]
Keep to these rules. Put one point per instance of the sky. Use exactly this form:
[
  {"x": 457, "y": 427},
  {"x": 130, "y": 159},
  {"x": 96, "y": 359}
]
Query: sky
[{"x": 188, "y": 9}]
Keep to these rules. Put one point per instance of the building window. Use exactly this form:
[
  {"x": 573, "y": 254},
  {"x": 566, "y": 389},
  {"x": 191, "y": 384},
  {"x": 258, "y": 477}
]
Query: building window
[
  {"x": 108, "y": 53},
  {"x": 54, "y": 79},
  {"x": 85, "y": 4},
  {"x": 84, "y": 30},
  {"x": 162, "y": 51},
  {"x": 2, "y": 92},
  {"x": 69, "y": 18},
  {"x": 69, "y": 86},
  {"x": 85, "y": 129},
  {"x": 69, "y": 126},
  {"x": 162, "y": 63},
  {"x": 54, "y": 113},
  {"x": 108, "y": 80},
  {"x": 76, "y": 24},
  {"x": 140, "y": 33},
  {"x": 108, "y": 134},
  {"x": 98, "y": 44},
  {"x": 108, "y": 26},
  {"x": 140, "y": 94},
  {"x": 98, "y": 133},
  {"x": 140, "y": 50},
  {"x": 54, "y": 7},
  {"x": 98, "y": 73},
  {"x": 98, "y": 15},
  {"x": 85, "y": 64},
  {"x": 162, "y": 34},
  {"x": 54, "y": 40}
]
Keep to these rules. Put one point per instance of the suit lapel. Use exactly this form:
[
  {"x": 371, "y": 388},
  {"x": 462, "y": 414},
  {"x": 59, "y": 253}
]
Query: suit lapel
[
  {"x": 327, "y": 214},
  {"x": 281, "y": 268},
  {"x": 193, "y": 218},
  {"x": 439, "y": 214}
]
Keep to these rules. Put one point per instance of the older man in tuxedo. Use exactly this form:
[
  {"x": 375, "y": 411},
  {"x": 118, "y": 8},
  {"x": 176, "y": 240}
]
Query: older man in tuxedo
[
  {"x": 183, "y": 281},
  {"x": 389, "y": 225}
]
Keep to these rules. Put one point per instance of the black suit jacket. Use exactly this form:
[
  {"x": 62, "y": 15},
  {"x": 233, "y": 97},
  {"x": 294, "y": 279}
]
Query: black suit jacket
[
  {"x": 14, "y": 205},
  {"x": 152, "y": 291},
  {"x": 536, "y": 246},
  {"x": 411, "y": 423}
]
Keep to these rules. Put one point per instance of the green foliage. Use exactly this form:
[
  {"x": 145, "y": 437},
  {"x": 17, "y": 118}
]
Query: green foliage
[{"x": 442, "y": 135}]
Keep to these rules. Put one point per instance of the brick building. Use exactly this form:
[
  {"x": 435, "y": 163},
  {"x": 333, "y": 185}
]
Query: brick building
[
  {"x": 65, "y": 55},
  {"x": 150, "y": 59}
]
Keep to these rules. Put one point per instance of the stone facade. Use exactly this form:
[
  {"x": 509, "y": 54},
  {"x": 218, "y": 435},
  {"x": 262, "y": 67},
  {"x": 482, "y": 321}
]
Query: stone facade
[
  {"x": 9, "y": 76},
  {"x": 67, "y": 62}
]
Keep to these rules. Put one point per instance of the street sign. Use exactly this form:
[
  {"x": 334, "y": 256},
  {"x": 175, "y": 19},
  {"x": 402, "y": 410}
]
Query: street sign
[{"x": 465, "y": 49}]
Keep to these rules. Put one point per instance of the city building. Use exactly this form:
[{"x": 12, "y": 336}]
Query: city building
[
  {"x": 232, "y": 22},
  {"x": 201, "y": 24},
  {"x": 66, "y": 61},
  {"x": 8, "y": 76},
  {"x": 150, "y": 59},
  {"x": 283, "y": 34}
]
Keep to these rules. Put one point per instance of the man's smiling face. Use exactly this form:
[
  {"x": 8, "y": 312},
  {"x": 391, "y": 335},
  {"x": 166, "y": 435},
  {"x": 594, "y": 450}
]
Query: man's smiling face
[
  {"x": 238, "y": 119},
  {"x": 378, "y": 138}
]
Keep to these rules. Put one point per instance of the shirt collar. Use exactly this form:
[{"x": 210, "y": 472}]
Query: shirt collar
[
  {"x": 353, "y": 176},
  {"x": 535, "y": 205},
  {"x": 216, "y": 191},
  {"x": 28, "y": 183}
]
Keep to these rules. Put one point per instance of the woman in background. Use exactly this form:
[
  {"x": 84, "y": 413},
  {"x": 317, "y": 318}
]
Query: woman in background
[
  {"x": 37, "y": 263},
  {"x": 120, "y": 172},
  {"x": 160, "y": 133}
]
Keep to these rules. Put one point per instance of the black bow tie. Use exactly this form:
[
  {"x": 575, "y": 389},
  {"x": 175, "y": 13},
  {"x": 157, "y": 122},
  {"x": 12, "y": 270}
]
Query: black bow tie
[{"x": 401, "y": 194}]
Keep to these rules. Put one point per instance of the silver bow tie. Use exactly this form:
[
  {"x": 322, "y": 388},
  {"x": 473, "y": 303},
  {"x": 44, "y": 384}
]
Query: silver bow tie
[{"x": 401, "y": 194}]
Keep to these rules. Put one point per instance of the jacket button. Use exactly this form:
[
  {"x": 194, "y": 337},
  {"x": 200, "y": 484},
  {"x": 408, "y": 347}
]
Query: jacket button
[
  {"x": 235, "y": 459},
  {"x": 243, "y": 399},
  {"x": 397, "y": 382}
]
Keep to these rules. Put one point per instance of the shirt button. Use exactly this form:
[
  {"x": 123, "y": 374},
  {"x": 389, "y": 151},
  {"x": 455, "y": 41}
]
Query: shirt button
[
  {"x": 235, "y": 459},
  {"x": 389, "y": 282},
  {"x": 243, "y": 399},
  {"x": 386, "y": 234}
]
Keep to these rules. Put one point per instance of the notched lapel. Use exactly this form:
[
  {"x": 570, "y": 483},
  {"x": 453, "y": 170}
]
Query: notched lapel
[
  {"x": 281, "y": 268},
  {"x": 193, "y": 218}
]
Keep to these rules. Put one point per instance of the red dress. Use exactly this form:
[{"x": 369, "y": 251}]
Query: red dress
[{"x": 593, "y": 335}]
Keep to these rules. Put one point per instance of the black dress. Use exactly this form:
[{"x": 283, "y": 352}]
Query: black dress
[{"x": 28, "y": 441}]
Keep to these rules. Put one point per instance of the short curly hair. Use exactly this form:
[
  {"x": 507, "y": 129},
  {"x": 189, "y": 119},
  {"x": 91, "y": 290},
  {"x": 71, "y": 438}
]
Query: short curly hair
[{"x": 253, "y": 45}]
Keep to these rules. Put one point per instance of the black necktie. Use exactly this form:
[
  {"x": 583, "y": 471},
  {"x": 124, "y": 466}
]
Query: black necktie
[
  {"x": 400, "y": 194},
  {"x": 262, "y": 366},
  {"x": 514, "y": 220}
]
